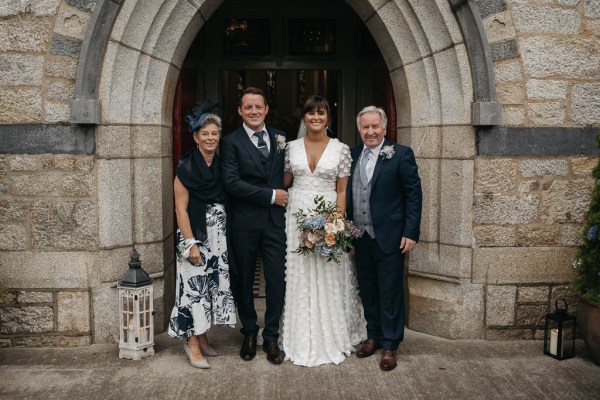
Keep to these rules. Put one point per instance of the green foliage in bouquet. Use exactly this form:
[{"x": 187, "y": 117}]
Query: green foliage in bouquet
[{"x": 587, "y": 264}]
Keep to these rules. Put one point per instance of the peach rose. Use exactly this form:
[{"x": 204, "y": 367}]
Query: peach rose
[
  {"x": 330, "y": 239},
  {"x": 308, "y": 244}
]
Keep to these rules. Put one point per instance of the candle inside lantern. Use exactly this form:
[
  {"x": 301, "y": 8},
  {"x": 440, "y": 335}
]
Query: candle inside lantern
[
  {"x": 554, "y": 341},
  {"x": 130, "y": 332}
]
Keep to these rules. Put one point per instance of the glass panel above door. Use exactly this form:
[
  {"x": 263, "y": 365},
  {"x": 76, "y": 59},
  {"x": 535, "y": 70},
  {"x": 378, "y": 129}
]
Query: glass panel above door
[
  {"x": 312, "y": 36},
  {"x": 246, "y": 37}
]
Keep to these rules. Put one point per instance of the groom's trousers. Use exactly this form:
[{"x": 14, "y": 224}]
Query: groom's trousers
[
  {"x": 245, "y": 246},
  {"x": 381, "y": 281}
]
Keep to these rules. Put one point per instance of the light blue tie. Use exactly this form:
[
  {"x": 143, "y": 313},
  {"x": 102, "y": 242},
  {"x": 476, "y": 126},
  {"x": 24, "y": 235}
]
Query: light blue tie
[{"x": 363, "y": 167}]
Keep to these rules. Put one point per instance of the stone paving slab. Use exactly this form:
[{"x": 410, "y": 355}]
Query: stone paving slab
[{"x": 429, "y": 368}]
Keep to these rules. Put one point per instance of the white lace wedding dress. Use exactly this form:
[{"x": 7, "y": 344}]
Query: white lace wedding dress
[{"x": 323, "y": 317}]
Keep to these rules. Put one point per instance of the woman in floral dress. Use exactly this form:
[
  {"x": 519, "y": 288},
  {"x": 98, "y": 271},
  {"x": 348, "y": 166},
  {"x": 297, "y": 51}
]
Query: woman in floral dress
[{"x": 203, "y": 295}]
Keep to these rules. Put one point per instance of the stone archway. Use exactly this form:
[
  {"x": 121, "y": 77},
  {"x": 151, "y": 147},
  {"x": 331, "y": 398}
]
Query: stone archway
[{"x": 436, "y": 54}]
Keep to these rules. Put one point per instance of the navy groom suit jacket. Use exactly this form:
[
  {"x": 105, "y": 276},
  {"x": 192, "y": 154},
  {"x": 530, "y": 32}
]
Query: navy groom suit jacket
[
  {"x": 248, "y": 184},
  {"x": 396, "y": 196}
]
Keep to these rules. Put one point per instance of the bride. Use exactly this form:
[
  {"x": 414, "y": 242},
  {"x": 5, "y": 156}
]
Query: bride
[{"x": 323, "y": 317}]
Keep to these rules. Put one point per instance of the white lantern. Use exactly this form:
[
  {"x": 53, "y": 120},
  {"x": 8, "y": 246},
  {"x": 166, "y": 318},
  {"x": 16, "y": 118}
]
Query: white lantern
[{"x": 136, "y": 309}]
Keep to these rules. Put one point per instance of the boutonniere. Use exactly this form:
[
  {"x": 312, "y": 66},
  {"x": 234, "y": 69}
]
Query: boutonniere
[
  {"x": 387, "y": 152},
  {"x": 281, "y": 143}
]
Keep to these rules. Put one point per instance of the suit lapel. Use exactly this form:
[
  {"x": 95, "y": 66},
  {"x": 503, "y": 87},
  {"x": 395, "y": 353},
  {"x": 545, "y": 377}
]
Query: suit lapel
[
  {"x": 273, "y": 150},
  {"x": 355, "y": 153},
  {"x": 378, "y": 165}
]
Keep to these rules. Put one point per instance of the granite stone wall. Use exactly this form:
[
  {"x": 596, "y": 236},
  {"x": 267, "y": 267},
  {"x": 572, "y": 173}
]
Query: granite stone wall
[
  {"x": 529, "y": 210},
  {"x": 546, "y": 60},
  {"x": 70, "y": 208},
  {"x": 528, "y": 219},
  {"x": 49, "y": 244}
]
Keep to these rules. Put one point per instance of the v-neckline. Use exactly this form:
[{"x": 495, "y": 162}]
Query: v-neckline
[{"x": 312, "y": 172}]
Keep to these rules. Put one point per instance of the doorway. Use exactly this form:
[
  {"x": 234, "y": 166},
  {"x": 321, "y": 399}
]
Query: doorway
[{"x": 291, "y": 52}]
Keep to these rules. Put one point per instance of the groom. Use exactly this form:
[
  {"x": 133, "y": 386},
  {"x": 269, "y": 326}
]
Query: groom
[
  {"x": 252, "y": 164},
  {"x": 384, "y": 200}
]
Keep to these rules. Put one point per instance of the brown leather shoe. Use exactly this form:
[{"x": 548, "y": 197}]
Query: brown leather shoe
[
  {"x": 248, "y": 350},
  {"x": 388, "y": 360},
  {"x": 367, "y": 348},
  {"x": 274, "y": 353}
]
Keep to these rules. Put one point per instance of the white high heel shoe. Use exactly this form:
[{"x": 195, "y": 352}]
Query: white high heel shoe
[{"x": 196, "y": 364}]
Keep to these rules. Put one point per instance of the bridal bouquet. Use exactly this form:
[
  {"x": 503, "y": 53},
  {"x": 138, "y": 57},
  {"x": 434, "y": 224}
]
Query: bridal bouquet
[{"x": 324, "y": 231}]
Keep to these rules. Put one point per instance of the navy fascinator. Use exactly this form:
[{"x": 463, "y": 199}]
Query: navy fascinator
[{"x": 196, "y": 118}]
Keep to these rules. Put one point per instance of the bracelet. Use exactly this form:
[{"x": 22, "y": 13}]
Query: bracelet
[{"x": 188, "y": 244}]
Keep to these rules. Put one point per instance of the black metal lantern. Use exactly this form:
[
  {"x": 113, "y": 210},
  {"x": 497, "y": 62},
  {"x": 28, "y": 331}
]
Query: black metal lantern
[
  {"x": 136, "y": 309},
  {"x": 559, "y": 334}
]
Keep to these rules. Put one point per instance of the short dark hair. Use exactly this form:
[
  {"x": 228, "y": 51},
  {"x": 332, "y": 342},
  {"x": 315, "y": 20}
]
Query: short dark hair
[
  {"x": 316, "y": 102},
  {"x": 252, "y": 90}
]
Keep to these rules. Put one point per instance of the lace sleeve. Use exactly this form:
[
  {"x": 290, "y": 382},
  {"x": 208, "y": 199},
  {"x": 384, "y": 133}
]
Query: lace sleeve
[
  {"x": 287, "y": 166},
  {"x": 345, "y": 162}
]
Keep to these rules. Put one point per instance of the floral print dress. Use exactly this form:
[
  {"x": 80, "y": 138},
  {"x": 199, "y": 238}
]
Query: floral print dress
[{"x": 203, "y": 294}]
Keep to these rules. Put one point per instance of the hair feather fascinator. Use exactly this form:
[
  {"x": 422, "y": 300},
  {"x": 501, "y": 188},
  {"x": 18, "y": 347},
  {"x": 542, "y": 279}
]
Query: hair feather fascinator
[{"x": 196, "y": 118}]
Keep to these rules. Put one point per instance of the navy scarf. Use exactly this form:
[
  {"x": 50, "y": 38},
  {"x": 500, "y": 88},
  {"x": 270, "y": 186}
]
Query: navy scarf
[{"x": 205, "y": 186}]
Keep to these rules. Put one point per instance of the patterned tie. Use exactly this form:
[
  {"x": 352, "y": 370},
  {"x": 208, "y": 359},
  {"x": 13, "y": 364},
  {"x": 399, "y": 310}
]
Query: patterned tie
[
  {"x": 262, "y": 145},
  {"x": 363, "y": 167}
]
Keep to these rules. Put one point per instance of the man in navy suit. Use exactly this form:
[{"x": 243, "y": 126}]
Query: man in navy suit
[
  {"x": 384, "y": 200},
  {"x": 252, "y": 164}
]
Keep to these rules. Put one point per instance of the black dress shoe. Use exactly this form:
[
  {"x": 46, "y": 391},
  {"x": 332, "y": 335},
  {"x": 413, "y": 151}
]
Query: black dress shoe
[
  {"x": 274, "y": 353},
  {"x": 248, "y": 350}
]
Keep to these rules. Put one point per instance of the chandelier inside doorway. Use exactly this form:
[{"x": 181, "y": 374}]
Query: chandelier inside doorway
[{"x": 251, "y": 36}]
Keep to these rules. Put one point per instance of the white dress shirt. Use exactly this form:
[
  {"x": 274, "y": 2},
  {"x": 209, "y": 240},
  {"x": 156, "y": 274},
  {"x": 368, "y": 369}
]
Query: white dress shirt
[{"x": 254, "y": 139}]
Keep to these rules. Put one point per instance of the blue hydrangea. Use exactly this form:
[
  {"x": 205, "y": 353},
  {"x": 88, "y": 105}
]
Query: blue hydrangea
[
  {"x": 324, "y": 250},
  {"x": 316, "y": 222},
  {"x": 592, "y": 233}
]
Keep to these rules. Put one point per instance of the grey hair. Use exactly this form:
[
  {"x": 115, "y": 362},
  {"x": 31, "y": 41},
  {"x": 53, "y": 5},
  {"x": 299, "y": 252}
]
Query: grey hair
[
  {"x": 369, "y": 109},
  {"x": 211, "y": 119}
]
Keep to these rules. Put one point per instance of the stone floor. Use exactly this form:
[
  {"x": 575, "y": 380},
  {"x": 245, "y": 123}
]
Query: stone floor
[{"x": 428, "y": 368}]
